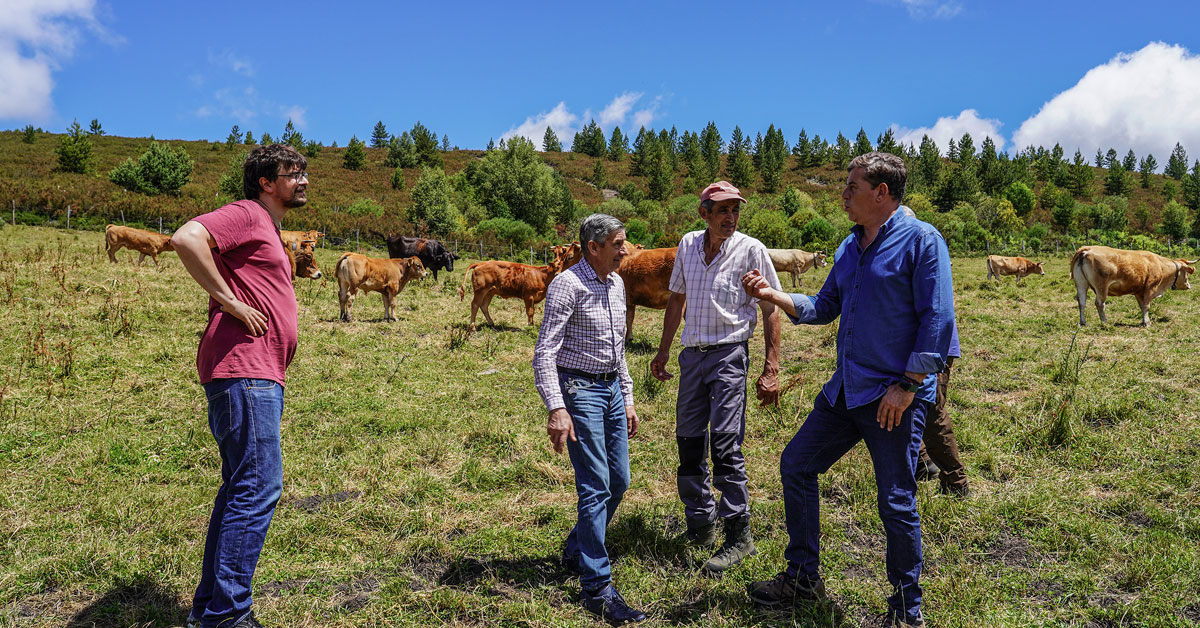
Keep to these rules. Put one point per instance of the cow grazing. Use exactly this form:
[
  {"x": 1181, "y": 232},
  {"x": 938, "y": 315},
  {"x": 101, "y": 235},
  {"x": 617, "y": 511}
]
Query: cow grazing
[
  {"x": 1114, "y": 272},
  {"x": 509, "y": 280},
  {"x": 144, "y": 242},
  {"x": 647, "y": 275},
  {"x": 301, "y": 237},
  {"x": 301, "y": 257},
  {"x": 433, "y": 255},
  {"x": 386, "y": 276},
  {"x": 998, "y": 265},
  {"x": 795, "y": 261}
]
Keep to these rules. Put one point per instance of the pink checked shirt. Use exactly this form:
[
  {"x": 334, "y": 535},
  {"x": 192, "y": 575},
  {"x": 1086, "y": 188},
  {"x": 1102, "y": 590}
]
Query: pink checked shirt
[{"x": 718, "y": 309}]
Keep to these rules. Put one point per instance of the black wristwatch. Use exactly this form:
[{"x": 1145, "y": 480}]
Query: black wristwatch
[{"x": 909, "y": 384}]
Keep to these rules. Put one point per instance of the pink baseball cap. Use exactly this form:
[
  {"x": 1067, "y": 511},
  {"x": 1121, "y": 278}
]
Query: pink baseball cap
[{"x": 720, "y": 191}]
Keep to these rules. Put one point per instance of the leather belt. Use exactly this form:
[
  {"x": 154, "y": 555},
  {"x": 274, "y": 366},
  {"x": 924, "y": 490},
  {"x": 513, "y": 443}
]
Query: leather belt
[
  {"x": 601, "y": 377},
  {"x": 707, "y": 348}
]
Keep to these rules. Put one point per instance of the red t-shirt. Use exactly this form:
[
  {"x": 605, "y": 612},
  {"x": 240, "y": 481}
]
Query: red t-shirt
[{"x": 250, "y": 256}]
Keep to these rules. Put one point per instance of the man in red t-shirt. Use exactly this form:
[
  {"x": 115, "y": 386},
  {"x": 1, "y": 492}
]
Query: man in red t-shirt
[{"x": 235, "y": 254}]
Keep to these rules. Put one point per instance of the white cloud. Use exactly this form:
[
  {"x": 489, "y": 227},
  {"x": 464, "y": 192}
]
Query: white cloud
[
  {"x": 947, "y": 129},
  {"x": 36, "y": 37},
  {"x": 933, "y": 9},
  {"x": 1147, "y": 101},
  {"x": 566, "y": 124},
  {"x": 297, "y": 115},
  {"x": 246, "y": 106},
  {"x": 227, "y": 60}
]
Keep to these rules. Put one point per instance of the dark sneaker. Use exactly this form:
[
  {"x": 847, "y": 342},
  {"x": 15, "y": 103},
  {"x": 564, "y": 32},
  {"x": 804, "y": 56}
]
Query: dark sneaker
[
  {"x": 702, "y": 533},
  {"x": 926, "y": 470},
  {"x": 248, "y": 622},
  {"x": 892, "y": 619},
  {"x": 786, "y": 590},
  {"x": 607, "y": 604},
  {"x": 192, "y": 621},
  {"x": 738, "y": 545}
]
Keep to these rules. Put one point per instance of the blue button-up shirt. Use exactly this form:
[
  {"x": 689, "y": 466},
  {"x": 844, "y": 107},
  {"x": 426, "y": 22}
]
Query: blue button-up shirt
[{"x": 896, "y": 303}]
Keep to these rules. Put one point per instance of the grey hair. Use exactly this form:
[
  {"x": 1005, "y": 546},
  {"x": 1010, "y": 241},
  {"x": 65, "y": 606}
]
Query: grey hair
[
  {"x": 597, "y": 227},
  {"x": 882, "y": 168}
]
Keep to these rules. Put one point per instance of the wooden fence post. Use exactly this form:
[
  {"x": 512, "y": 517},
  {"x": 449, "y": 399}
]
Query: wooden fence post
[
  {"x": 68, "y": 216},
  {"x": 357, "y": 245},
  {"x": 160, "y": 224}
]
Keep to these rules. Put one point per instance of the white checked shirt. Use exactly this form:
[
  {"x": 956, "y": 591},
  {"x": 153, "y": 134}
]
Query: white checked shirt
[
  {"x": 718, "y": 308},
  {"x": 583, "y": 328}
]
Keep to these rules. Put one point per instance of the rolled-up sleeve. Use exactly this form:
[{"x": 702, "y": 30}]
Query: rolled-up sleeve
[
  {"x": 821, "y": 309},
  {"x": 933, "y": 298},
  {"x": 560, "y": 303}
]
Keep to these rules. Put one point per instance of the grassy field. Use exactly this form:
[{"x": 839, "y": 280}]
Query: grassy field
[{"x": 420, "y": 488}]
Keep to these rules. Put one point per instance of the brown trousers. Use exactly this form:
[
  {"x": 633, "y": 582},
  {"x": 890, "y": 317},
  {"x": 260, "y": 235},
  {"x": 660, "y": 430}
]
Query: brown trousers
[{"x": 938, "y": 442}]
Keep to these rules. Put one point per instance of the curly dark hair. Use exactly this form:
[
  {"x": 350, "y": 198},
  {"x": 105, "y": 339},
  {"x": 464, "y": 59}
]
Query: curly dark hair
[{"x": 266, "y": 161}]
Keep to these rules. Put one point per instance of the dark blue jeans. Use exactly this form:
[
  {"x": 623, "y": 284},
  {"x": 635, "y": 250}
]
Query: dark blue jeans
[
  {"x": 830, "y": 431},
  {"x": 244, "y": 416},
  {"x": 600, "y": 456}
]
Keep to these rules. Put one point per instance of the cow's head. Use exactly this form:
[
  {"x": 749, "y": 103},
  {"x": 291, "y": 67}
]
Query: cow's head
[
  {"x": 1037, "y": 269},
  {"x": 414, "y": 269},
  {"x": 447, "y": 260},
  {"x": 306, "y": 262},
  {"x": 819, "y": 260},
  {"x": 1181, "y": 274}
]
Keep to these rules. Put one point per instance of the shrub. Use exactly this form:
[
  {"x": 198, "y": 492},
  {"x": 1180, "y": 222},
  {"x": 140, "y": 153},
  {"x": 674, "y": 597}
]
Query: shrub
[
  {"x": 356, "y": 154},
  {"x": 771, "y": 228},
  {"x": 919, "y": 203},
  {"x": 29, "y": 135},
  {"x": 312, "y": 148},
  {"x": 365, "y": 207},
  {"x": 638, "y": 232},
  {"x": 159, "y": 170},
  {"x": 513, "y": 182},
  {"x": 433, "y": 208},
  {"x": 817, "y": 231},
  {"x": 794, "y": 200},
  {"x": 75, "y": 151},
  {"x": 230, "y": 183},
  {"x": 631, "y": 193},
  {"x": 507, "y": 231},
  {"x": 1021, "y": 197},
  {"x": 618, "y": 208},
  {"x": 398, "y": 178}
]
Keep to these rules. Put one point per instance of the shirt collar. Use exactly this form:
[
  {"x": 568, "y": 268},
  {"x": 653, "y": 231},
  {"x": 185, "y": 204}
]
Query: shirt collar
[
  {"x": 892, "y": 222},
  {"x": 587, "y": 272}
]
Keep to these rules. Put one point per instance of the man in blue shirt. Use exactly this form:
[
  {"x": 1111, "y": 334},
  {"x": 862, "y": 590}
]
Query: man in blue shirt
[{"x": 891, "y": 287}]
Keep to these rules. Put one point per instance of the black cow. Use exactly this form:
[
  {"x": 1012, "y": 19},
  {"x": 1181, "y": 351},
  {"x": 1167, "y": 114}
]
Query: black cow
[{"x": 431, "y": 252}]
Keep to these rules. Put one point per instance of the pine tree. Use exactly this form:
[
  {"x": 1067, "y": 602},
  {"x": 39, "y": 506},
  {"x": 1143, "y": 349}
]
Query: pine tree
[
  {"x": 95, "y": 128},
  {"x": 1110, "y": 158},
  {"x": 379, "y": 136},
  {"x": 75, "y": 151},
  {"x": 1177, "y": 163},
  {"x": 590, "y": 141},
  {"x": 445, "y": 143},
  {"x": 1057, "y": 173},
  {"x": 819, "y": 151},
  {"x": 886, "y": 143},
  {"x": 991, "y": 174},
  {"x": 928, "y": 166},
  {"x": 710, "y": 150},
  {"x": 355, "y": 157},
  {"x": 862, "y": 144},
  {"x": 235, "y": 137},
  {"x": 1191, "y": 187},
  {"x": 1081, "y": 176},
  {"x": 550, "y": 143},
  {"x": 1147, "y": 168},
  {"x": 844, "y": 151},
  {"x": 266, "y": 139},
  {"x": 644, "y": 146},
  {"x": 401, "y": 152},
  {"x": 426, "y": 143},
  {"x": 291, "y": 136},
  {"x": 803, "y": 150},
  {"x": 249, "y": 138},
  {"x": 1130, "y": 162},
  {"x": 1115, "y": 183},
  {"x": 598, "y": 174},
  {"x": 29, "y": 134},
  {"x": 492, "y": 144},
  {"x": 739, "y": 167},
  {"x": 397, "y": 180},
  {"x": 662, "y": 177},
  {"x": 668, "y": 146},
  {"x": 773, "y": 157},
  {"x": 1099, "y": 158}
]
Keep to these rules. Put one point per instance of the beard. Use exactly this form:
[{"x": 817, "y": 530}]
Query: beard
[{"x": 295, "y": 200}]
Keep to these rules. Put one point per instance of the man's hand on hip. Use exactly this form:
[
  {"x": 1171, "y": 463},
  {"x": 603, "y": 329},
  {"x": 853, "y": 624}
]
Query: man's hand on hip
[
  {"x": 254, "y": 320},
  {"x": 560, "y": 428},
  {"x": 891, "y": 408}
]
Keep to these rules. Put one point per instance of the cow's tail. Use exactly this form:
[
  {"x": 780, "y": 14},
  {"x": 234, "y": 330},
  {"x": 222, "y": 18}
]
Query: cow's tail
[
  {"x": 989, "y": 267},
  {"x": 340, "y": 271},
  {"x": 462, "y": 290},
  {"x": 108, "y": 236},
  {"x": 1076, "y": 266},
  {"x": 1076, "y": 259}
]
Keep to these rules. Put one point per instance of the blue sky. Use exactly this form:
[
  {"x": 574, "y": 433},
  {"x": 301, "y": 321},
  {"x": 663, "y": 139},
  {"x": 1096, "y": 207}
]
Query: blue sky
[{"x": 1087, "y": 74}]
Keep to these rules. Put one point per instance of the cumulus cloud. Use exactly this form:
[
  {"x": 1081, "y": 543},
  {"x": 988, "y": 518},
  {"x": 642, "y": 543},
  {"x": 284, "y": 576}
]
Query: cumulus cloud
[
  {"x": 932, "y": 9},
  {"x": 1147, "y": 101},
  {"x": 566, "y": 124},
  {"x": 36, "y": 37},
  {"x": 947, "y": 129}
]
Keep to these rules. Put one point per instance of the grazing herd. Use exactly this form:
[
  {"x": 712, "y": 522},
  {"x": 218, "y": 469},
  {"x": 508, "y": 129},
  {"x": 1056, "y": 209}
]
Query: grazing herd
[{"x": 646, "y": 272}]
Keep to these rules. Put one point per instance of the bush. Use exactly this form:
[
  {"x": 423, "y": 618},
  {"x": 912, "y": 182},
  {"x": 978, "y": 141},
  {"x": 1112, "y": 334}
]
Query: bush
[
  {"x": 919, "y": 203},
  {"x": 75, "y": 151},
  {"x": 817, "y": 231},
  {"x": 355, "y": 157},
  {"x": 29, "y": 135},
  {"x": 618, "y": 208},
  {"x": 365, "y": 207},
  {"x": 507, "y": 231},
  {"x": 312, "y": 148},
  {"x": 433, "y": 206},
  {"x": 513, "y": 182},
  {"x": 638, "y": 232},
  {"x": 771, "y": 228},
  {"x": 794, "y": 200},
  {"x": 230, "y": 183},
  {"x": 1021, "y": 197},
  {"x": 159, "y": 170},
  {"x": 631, "y": 193},
  {"x": 397, "y": 180}
]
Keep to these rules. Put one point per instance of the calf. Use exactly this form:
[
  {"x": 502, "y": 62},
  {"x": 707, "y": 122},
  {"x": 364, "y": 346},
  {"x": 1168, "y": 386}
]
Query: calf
[
  {"x": 433, "y": 254},
  {"x": 387, "y": 276},
  {"x": 647, "y": 275},
  {"x": 795, "y": 261},
  {"x": 1114, "y": 272},
  {"x": 509, "y": 280},
  {"x": 302, "y": 259},
  {"x": 144, "y": 242},
  {"x": 998, "y": 265}
]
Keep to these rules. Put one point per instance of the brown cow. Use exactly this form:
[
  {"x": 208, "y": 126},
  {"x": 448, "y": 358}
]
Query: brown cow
[
  {"x": 144, "y": 242},
  {"x": 1114, "y": 272},
  {"x": 509, "y": 280},
  {"x": 795, "y": 261},
  {"x": 301, "y": 237},
  {"x": 303, "y": 260},
  {"x": 386, "y": 276},
  {"x": 646, "y": 274},
  {"x": 998, "y": 265}
]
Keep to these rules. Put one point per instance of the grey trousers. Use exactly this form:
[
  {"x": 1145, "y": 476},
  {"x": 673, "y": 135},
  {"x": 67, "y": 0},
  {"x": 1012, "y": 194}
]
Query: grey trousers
[{"x": 710, "y": 417}]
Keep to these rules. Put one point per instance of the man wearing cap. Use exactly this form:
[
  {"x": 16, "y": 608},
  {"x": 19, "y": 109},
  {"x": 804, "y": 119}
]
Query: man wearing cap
[
  {"x": 580, "y": 372},
  {"x": 710, "y": 414},
  {"x": 891, "y": 289},
  {"x": 235, "y": 254}
]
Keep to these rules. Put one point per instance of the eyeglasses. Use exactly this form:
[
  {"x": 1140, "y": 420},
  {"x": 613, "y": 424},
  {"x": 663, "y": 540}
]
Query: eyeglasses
[{"x": 295, "y": 176}]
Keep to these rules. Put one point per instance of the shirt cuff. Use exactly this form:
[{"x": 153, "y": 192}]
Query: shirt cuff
[
  {"x": 925, "y": 363},
  {"x": 628, "y": 402},
  {"x": 554, "y": 402},
  {"x": 805, "y": 310}
]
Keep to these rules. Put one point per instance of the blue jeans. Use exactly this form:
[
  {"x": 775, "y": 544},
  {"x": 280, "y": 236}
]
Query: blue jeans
[
  {"x": 244, "y": 416},
  {"x": 600, "y": 456},
  {"x": 830, "y": 431}
]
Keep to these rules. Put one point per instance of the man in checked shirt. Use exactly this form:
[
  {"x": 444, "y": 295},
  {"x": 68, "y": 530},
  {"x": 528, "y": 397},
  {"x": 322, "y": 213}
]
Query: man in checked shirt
[
  {"x": 711, "y": 409},
  {"x": 579, "y": 368}
]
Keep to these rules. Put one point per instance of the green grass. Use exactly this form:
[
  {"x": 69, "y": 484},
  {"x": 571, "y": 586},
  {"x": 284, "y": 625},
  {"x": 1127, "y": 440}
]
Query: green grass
[{"x": 420, "y": 488}]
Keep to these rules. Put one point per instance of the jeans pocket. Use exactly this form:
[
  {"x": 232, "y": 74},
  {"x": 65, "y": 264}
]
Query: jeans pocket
[{"x": 260, "y": 384}]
